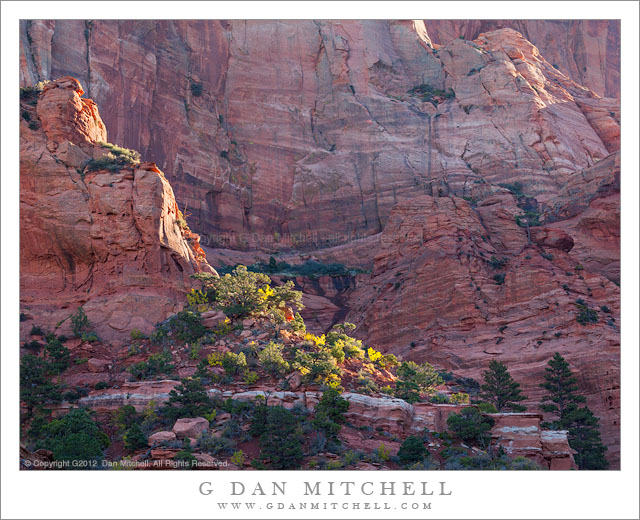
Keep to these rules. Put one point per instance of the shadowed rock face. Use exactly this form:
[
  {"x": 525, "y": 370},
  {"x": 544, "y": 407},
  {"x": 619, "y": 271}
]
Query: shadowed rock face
[
  {"x": 307, "y": 128},
  {"x": 108, "y": 240}
]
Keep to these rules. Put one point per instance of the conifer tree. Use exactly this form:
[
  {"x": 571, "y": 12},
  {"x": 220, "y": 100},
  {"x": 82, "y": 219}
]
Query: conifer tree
[
  {"x": 580, "y": 422},
  {"x": 562, "y": 389},
  {"x": 281, "y": 442},
  {"x": 584, "y": 437},
  {"x": 500, "y": 389},
  {"x": 134, "y": 438}
]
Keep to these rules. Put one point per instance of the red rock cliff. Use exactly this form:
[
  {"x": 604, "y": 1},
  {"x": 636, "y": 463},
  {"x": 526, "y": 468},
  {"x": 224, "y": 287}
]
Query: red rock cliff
[
  {"x": 108, "y": 240},
  {"x": 288, "y": 127}
]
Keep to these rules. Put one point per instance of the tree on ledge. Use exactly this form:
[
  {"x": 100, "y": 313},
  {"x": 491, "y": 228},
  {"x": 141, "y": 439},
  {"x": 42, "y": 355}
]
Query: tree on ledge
[
  {"x": 562, "y": 387},
  {"x": 500, "y": 389},
  {"x": 582, "y": 425}
]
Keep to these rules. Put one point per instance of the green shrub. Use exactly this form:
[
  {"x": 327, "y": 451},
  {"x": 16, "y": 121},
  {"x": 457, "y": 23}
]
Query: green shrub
[
  {"x": 460, "y": 398},
  {"x": 125, "y": 417},
  {"x": 37, "y": 331},
  {"x": 136, "y": 335},
  {"x": 585, "y": 315},
  {"x": 315, "y": 366},
  {"x": 341, "y": 343},
  {"x": 188, "y": 399},
  {"x": 185, "y": 327},
  {"x": 80, "y": 324},
  {"x": 234, "y": 363},
  {"x": 30, "y": 95},
  {"x": 439, "y": 399},
  {"x": 428, "y": 93},
  {"x": 101, "y": 385},
  {"x": 412, "y": 450},
  {"x": 157, "y": 364},
  {"x": 36, "y": 388},
  {"x": 486, "y": 407},
  {"x": 297, "y": 324},
  {"x": 74, "y": 437},
  {"x": 185, "y": 459},
  {"x": 499, "y": 278},
  {"x": 309, "y": 269},
  {"x": 365, "y": 384},
  {"x": 272, "y": 360},
  {"x": 498, "y": 263},
  {"x": 33, "y": 345},
  {"x": 329, "y": 414},
  {"x": 134, "y": 438},
  {"x": 281, "y": 441},
  {"x": 196, "y": 88},
  {"x": 238, "y": 458},
  {"x": 471, "y": 426},
  {"x": 383, "y": 453},
  {"x": 425, "y": 377},
  {"x": 249, "y": 377},
  {"x": 388, "y": 361},
  {"x": 407, "y": 390},
  {"x": 244, "y": 293},
  {"x": 57, "y": 354},
  {"x": 214, "y": 444},
  {"x": 115, "y": 160}
]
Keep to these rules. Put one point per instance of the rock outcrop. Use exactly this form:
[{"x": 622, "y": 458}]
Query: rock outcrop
[
  {"x": 588, "y": 51},
  {"x": 108, "y": 240},
  {"x": 306, "y": 133}
]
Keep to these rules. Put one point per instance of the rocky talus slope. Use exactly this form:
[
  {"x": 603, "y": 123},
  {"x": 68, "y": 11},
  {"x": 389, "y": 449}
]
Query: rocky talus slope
[{"x": 106, "y": 238}]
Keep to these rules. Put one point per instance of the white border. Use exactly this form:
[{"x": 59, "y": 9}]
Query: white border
[{"x": 612, "y": 494}]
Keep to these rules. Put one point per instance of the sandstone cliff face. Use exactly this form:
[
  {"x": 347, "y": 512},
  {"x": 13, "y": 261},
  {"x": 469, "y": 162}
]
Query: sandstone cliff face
[
  {"x": 588, "y": 51},
  {"x": 108, "y": 240},
  {"x": 307, "y": 128},
  {"x": 437, "y": 293}
]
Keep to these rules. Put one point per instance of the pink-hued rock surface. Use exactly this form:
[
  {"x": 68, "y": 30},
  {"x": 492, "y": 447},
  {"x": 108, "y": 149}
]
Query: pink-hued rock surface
[{"x": 306, "y": 133}]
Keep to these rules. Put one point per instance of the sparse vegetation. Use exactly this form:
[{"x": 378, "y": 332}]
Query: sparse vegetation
[
  {"x": 585, "y": 315},
  {"x": 115, "y": 160},
  {"x": 156, "y": 365},
  {"x": 310, "y": 269},
  {"x": 431, "y": 94}
]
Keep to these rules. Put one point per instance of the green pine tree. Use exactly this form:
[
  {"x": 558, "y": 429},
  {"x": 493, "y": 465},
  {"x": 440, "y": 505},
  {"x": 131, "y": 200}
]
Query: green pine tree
[
  {"x": 562, "y": 389},
  {"x": 500, "y": 389},
  {"x": 580, "y": 422},
  {"x": 135, "y": 439},
  {"x": 329, "y": 414},
  {"x": 188, "y": 399},
  {"x": 584, "y": 437},
  {"x": 282, "y": 440}
]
